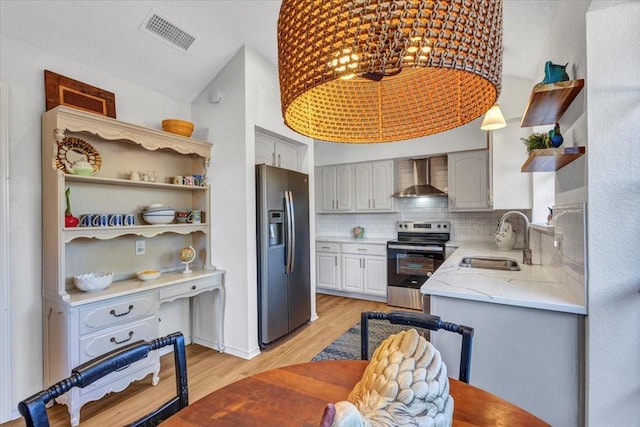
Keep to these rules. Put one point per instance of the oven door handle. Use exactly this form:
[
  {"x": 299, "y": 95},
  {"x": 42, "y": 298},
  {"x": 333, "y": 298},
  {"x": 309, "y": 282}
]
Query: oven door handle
[{"x": 438, "y": 249}]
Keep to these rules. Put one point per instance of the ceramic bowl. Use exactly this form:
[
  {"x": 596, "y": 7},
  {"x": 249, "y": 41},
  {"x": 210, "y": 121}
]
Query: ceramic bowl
[
  {"x": 157, "y": 218},
  {"x": 179, "y": 127},
  {"x": 148, "y": 274},
  {"x": 93, "y": 282}
]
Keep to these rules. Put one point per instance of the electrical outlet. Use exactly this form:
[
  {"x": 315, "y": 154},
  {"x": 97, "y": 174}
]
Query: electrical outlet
[{"x": 140, "y": 247}]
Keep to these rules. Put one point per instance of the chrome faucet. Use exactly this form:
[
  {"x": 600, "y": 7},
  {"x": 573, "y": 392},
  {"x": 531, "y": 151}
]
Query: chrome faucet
[{"x": 526, "y": 251}]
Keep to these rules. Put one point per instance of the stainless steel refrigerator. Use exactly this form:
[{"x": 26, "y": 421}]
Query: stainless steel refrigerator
[{"x": 284, "y": 285}]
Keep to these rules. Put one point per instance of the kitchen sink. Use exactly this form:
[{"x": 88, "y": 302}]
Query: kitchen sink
[{"x": 506, "y": 264}]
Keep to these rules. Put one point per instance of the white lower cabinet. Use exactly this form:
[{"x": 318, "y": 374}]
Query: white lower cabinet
[
  {"x": 352, "y": 273},
  {"x": 375, "y": 275},
  {"x": 328, "y": 265},
  {"x": 352, "y": 269}
]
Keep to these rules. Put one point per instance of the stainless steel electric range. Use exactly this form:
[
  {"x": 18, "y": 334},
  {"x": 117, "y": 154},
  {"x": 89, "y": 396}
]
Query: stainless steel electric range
[{"x": 412, "y": 258}]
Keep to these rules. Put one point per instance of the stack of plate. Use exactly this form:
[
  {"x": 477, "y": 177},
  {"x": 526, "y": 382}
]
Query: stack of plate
[{"x": 158, "y": 214}]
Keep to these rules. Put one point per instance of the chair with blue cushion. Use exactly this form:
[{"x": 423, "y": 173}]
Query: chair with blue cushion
[
  {"x": 34, "y": 410},
  {"x": 420, "y": 320}
]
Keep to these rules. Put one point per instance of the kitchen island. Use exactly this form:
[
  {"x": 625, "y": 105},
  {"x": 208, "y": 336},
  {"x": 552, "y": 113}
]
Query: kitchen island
[
  {"x": 534, "y": 286},
  {"x": 528, "y": 345}
]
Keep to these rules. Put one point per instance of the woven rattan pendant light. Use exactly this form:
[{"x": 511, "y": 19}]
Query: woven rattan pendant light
[{"x": 365, "y": 71}]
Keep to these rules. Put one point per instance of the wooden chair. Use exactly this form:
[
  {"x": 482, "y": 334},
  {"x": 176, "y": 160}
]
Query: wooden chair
[
  {"x": 34, "y": 411},
  {"x": 420, "y": 320}
]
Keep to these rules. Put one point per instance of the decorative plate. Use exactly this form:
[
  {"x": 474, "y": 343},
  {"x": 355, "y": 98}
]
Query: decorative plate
[{"x": 72, "y": 149}]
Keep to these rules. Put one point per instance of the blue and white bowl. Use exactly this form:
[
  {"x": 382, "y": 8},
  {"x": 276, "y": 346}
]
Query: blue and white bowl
[{"x": 162, "y": 215}]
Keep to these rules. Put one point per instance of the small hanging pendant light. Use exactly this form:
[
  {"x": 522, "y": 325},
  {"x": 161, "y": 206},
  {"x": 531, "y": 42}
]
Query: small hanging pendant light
[
  {"x": 365, "y": 71},
  {"x": 493, "y": 119}
]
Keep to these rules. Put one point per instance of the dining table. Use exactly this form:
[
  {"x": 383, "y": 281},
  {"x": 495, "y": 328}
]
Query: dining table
[{"x": 297, "y": 395}]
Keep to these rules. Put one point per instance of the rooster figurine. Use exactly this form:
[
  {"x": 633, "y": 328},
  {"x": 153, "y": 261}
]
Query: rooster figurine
[{"x": 405, "y": 384}]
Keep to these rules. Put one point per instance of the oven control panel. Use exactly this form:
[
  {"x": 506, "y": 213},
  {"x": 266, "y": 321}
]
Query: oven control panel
[{"x": 424, "y": 226}]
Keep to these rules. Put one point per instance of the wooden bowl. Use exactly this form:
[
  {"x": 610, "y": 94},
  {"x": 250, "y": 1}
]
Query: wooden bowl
[{"x": 179, "y": 127}]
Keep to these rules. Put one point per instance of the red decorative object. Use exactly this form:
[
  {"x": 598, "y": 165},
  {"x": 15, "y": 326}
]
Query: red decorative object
[{"x": 70, "y": 220}]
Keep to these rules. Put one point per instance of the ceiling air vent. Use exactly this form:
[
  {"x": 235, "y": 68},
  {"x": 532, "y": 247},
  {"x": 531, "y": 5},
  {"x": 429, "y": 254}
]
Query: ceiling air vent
[{"x": 159, "y": 27}]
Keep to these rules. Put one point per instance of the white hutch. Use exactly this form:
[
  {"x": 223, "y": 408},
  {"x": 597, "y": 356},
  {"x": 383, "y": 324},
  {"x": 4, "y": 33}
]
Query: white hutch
[{"x": 77, "y": 325}]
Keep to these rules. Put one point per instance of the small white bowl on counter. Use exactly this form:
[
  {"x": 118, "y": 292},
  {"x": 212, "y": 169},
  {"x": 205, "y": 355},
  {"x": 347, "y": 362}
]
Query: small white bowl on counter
[
  {"x": 93, "y": 282},
  {"x": 148, "y": 275}
]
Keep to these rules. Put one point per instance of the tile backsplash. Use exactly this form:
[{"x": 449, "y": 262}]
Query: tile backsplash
[
  {"x": 468, "y": 226},
  {"x": 567, "y": 250}
]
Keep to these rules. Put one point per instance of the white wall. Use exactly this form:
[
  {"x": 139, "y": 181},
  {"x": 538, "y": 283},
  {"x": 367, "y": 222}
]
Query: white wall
[
  {"x": 5, "y": 291},
  {"x": 613, "y": 338},
  {"x": 467, "y": 137},
  {"x": 231, "y": 174},
  {"x": 566, "y": 43},
  {"x": 21, "y": 69},
  {"x": 251, "y": 98},
  {"x": 264, "y": 111}
]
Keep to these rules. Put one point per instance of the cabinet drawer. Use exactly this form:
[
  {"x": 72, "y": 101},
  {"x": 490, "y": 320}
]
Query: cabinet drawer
[
  {"x": 189, "y": 289},
  {"x": 364, "y": 249},
  {"x": 96, "y": 344},
  {"x": 119, "y": 380},
  {"x": 113, "y": 312},
  {"x": 333, "y": 248}
]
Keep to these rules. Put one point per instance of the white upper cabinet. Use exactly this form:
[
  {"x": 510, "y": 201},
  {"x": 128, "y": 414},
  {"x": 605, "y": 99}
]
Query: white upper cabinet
[
  {"x": 469, "y": 181},
  {"x": 359, "y": 187},
  {"x": 334, "y": 188},
  {"x": 275, "y": 152},
  {"x": 374, "y": 186}
]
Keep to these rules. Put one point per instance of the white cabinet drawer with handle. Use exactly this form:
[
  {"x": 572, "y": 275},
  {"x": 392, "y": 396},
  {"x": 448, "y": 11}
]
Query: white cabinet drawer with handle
[
  {"x": 364, "y": 249},
  {"x": 190, "y": 288},
  {"x": 96, "y": 316},
  {"x": 330, "y": 247},
  {"x": 97, "y": 344}
]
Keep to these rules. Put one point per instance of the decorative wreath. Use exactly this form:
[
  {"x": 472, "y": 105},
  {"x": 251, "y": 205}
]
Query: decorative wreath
[{"x": 72, "y": 149}]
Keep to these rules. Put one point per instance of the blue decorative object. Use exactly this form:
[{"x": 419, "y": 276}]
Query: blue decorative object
[
  {"x": 555, "y": 136},
  {"x": 554, "y": 73}
]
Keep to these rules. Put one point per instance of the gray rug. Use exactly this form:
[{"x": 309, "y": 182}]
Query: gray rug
[{"x": 347, "y": 346}]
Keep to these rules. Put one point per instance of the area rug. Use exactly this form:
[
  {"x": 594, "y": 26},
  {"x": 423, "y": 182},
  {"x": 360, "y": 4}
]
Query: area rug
[{"x": 347, "y": 346}]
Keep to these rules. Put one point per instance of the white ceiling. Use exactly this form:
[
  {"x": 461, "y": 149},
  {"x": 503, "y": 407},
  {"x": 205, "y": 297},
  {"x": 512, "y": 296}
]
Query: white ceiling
[{"x": 105, "y": 35}]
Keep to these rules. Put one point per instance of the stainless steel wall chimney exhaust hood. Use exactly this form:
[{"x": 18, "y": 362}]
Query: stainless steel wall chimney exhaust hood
[{"x": 421, "y": 186}]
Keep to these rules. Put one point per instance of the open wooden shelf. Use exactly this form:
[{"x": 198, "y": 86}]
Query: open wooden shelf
[
  {"x": 548, "y": 103},
  {"x": 551, "y": 159}
]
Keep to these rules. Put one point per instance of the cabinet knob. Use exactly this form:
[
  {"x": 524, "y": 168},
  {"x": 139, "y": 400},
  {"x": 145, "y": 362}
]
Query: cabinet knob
[{"x": 194, "y": 287}]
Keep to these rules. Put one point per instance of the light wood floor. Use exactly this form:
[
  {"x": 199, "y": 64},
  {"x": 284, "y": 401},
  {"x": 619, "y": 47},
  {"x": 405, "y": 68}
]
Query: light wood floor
[{"x": 210, "y": 370}]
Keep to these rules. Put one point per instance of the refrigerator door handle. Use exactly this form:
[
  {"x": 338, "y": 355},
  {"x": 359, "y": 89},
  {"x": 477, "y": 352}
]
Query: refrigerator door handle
[
  {"x": 287, "y": 227},
  {"x": 291, "y": 236}
]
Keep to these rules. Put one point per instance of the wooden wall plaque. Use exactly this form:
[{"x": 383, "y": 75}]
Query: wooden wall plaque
[{"x": 61, "y": 90}]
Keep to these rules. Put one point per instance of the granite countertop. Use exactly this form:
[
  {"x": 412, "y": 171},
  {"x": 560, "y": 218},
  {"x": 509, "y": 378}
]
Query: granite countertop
[
  {"x": 346, "y": 239},
  {"x": 534, "y": 286}
]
